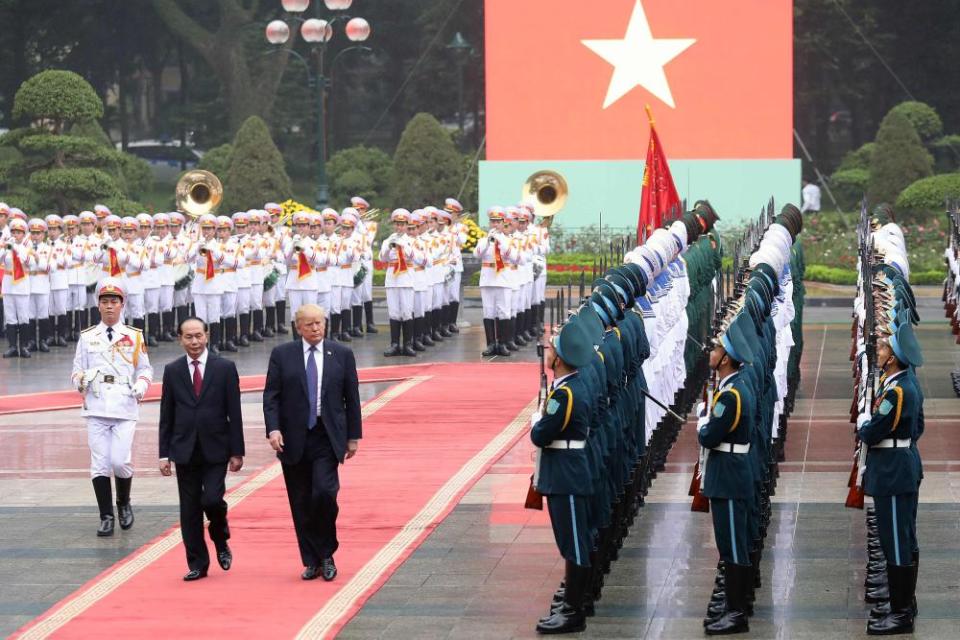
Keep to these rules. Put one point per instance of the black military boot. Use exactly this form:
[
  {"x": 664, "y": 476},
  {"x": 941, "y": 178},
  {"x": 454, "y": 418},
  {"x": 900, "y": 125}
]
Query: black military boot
[
  {"x": 281, "y": 317},
  {"x": 153, "y": 323},
  {"x": 167, "y": 331},
  {"x": 271, "y": 322},
  {"x": 94, "y": 316},
  {"x": 101, "y": 488},
  {"x": 424, "y": 333},
  {"x": 368, "y": 311},
  {"x": 407, "y": 348},
  {"x": 394, "y": 349},
  {"x": 25, "y": 335},
  {"x": 511, "y": 342},
  {"x": 357, "y": 330},
  {"x": 439, "y": 322},
  {"x": 901, "y": 616},
  {"x": 183, "y": 312},
  {"x": 569, "y": 618},
  {"x": 257, "y": 334},
  {"x": 230, "y": 334},
  {"x": 124, "y": 510},
  {"x": 488, "y": 329},
  {"x": 78, "y": 322},
  {"x": 31, "y": 341},
  {"x": 334, "y": 326},
  {"x": 454, "y": 313},
  {"x": 13, "y": 350},
  {"x": 214, "y": 344},
  {"x": 346, "y": 318},
  {"x": 738, "y": 580},
  {"x": 502, "y": 334},
  {"x": 63, "y": 331},
  {"x": 244, "y": 338},
  {"x": 44, "y": 327}
]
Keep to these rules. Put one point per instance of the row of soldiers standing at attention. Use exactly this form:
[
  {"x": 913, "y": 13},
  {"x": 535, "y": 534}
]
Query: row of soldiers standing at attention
[
  {"x": 239, "y": 272},
  {"x": 887, "y": 410},
  {"x": 742, "y": 420}
]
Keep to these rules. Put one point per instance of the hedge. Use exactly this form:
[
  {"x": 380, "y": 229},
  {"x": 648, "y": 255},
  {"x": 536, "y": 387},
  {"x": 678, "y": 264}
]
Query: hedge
[
  {"x": 927, "y": 195},
  {"x": 834, "y": 275}
]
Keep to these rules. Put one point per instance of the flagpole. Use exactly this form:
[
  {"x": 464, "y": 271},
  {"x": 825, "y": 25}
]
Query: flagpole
[{"x": 650, "y": 114}]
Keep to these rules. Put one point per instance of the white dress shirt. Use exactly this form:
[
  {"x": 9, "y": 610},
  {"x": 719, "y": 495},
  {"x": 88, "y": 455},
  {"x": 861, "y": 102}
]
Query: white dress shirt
[
  {"x": 203, "y": 366},
  {"x": 318, "y": 358}
]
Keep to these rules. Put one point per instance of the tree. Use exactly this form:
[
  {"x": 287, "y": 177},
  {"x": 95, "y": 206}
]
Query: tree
[
  {"x": 426, "y": 166},
  {"x": 217, "y": 160},
  {"x": 256, "y": 174},
  {"x": 925, "y": 120},
  {"x": 898, "y": 160},
  {"x": 359, "y": 171}
]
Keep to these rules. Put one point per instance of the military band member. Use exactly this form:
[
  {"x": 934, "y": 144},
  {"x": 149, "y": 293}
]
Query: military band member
[
  {"x": 133, "y": 260},
  {"x": 76, "y": 280},
  {"x": 458, "y": 237},
  {"x": 280, "y": 232},
  {"x": 421, "y": 338},
  {"x": 369, "y": 230},
  {"x": 39, "y": 286},
  {"x": 299, "y": 251},
  {"x": 149, "y": 278},
  {"x": 182, "y": 244},
  {"x": 562, "y": 473},
  {"x": 227, "y": 272},
  {"x": 206, "y": 256},
  {"x": 893, "y": 473},
  {"x": 398, "y": 251},
  {"x": 17, "y": 260},
  {"x": 244, "y": 249},
  {"x": 495, "y": 252},
  {"x": 61, "y": 267},
  {"x": 725, "y": 431},
  {"x": 166, "y": 253},
  {"x": 112, "y": 371},
  {"x": 255, "y": 255},
  {"x": 325, "y": 258},
  {"x": 343, "y": 270}
]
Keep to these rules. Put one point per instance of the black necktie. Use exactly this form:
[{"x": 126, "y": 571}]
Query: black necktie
[{"x": 110, "y": 334}]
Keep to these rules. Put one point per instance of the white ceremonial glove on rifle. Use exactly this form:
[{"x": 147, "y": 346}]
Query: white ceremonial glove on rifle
[{"x": 862, "y": 419}]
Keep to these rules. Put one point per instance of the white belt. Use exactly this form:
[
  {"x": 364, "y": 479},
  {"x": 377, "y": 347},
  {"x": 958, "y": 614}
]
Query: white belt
[
  {"x": 729, "y": 447},
  {"x": 893, "y": 443},
  {"x": 567, "y": 444},
  {"x": 96, "y": 375}
]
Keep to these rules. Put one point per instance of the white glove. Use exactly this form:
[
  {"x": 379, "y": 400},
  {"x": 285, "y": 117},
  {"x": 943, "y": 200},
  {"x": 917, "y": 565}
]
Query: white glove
[
  {"x": 140, "y": 389},
  {"x": 863, "y": 419},
  {"x": 535, "y": 418},
  {"x": 701, "y": 409}
]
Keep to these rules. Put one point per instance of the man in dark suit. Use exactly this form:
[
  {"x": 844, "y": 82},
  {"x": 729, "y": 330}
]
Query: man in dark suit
[
  {"x": 201, "y": 430},
  {"x": 311, "y": 408}
]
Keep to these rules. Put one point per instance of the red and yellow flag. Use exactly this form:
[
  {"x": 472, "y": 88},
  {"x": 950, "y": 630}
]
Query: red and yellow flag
[
  {"x": 659, "y": 194},
  {"x": 19, "y": 273},
  {"x": 114, "y": 263}
]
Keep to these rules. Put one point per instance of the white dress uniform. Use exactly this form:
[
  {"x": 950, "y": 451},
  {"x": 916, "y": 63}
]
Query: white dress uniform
[
  {"x": 16, "y": 282},
  {"x": 325, "y": 252},
  {"x": 113, "y": 371},
  {"x": 80, "y": 247},
  {"x": 301, "y": 280},
  {"x": 206, "y": 288}
]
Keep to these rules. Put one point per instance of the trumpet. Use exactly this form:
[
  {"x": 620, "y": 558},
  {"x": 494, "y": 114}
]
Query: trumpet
[
  {"x": 371, "y": 214},
  {"x": 203, "y": 249},
  {"x": 8, "y": 246}
]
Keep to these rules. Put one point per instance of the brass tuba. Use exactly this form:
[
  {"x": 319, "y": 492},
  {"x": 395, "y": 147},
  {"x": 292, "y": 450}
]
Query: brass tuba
[
  {"x": 546, "y": 191},
  {"x": 198, "y": 192}
]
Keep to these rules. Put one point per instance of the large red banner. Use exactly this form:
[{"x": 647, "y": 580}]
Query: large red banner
[{"x": 568, "y": 80}]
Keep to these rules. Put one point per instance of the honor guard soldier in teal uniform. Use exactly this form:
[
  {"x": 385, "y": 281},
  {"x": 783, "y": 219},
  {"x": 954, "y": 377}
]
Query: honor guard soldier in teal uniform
[
  {"x": 562, "y": 473},
  {"x": 725, "y": 434},
  {"x": 892, "y": 475}
]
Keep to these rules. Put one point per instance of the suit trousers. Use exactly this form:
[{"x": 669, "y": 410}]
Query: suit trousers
[
  {"x": 897, "y": 526},
  {"x": 568, "y": 517},
  {"x": 312, "y": 487},
  {"x": 201, "y": 485},
  {"x": 730, "y": 529}
]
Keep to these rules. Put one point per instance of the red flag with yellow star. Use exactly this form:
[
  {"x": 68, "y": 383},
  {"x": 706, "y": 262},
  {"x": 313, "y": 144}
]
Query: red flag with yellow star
[{"x": 659, "y": 194}]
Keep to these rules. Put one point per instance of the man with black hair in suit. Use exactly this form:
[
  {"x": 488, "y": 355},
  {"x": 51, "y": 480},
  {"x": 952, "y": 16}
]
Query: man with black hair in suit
[{"x": 201, "y": 430}]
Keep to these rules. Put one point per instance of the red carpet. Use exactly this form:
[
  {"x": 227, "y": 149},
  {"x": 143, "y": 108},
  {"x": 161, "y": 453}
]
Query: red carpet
[
  {"x": 426, "y": 441},
  {"x": 70, "y": 399}
]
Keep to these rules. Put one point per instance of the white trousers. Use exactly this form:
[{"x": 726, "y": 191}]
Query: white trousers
[
  {"x": 400, "y": 303},
  {"x": 243, "y": 300},
  {"x": 270, "y": 296},
  {"x": 60, "y": 302},
  {"x": 496, "y": 302},
  {"x": 78, "y": 297},
  {"x": 437, "y": 298},
  {"x": 133, "y": 308},
  {"x": 419, "y": 302},
  {"x": 366, "y": 288},
  {"x": 296, "y": 299},
  {"x": 346, "y": 298},
  {"x": 336, "y": 298},
  {"x": 540, "y": 288},
  {"x": 323, "y": 301},
  {"x": 228, "y": 304},
  {"x": 111, "y": 444},
  {"x": 256, "y": 296},
  {"x": 207, "y": 307},
  {"x": 166, "y": 297},
  {"x": 39, "y": 305},
  {"x": 181, "y": 297},
  {"x": 16, "y": 308},
  {"x": 151, "y": 300},
  {"x": 453, "y": 288},
  {"x": 356, "y": 295}
]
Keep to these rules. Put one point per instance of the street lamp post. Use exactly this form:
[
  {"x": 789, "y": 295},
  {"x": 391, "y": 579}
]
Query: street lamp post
[
  {"x": 318, "y": 32},
  {"x": 461, "y": 49}
]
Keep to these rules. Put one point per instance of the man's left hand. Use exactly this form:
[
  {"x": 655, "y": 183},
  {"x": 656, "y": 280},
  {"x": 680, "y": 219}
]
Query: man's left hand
[
  {"x": 352, "y": 446},
  {"x": 236, "y": 463}
]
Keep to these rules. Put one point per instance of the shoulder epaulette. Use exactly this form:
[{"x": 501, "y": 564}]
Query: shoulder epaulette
[{"x": 88, "y": 329}]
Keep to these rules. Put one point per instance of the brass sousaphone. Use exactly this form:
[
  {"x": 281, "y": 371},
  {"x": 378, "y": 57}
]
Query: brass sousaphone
[
  {"x": 197, "y": 192},
  {"x": 546, "y": 191}
]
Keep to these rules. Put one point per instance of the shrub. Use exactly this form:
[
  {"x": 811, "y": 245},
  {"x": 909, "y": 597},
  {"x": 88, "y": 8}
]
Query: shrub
[
  {"x": 58, "y": 98},
  {"x": 849, "y": 186},
  {"x": 830, "y": 275},
  {"x": 359, "y": 171},
  {"x": 899, "y": 158},
  {"x": 858, "y": 158},
  {"x": 217, "y": 160},
  {"x": 256, "y": 174},
  {"x": 924, "y": 118},
  {"x": 136, "y": 174},
  {"x": 927, "y": 195},
  {"x": 946, "y": 154},
  {"x": 426, "y": 166}
]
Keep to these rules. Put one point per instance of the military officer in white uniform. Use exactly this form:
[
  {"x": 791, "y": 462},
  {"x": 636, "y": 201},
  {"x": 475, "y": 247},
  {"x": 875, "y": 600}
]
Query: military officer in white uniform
[{"x": 112, "y": 371}]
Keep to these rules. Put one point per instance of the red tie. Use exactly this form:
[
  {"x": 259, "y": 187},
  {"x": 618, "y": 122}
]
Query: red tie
[{"x": 197, "y": 379}]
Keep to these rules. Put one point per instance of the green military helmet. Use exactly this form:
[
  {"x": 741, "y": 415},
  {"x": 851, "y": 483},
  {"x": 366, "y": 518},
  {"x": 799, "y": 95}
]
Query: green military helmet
[
  {"x": 906, "y": 346},
  {"x": 592, "y": 322},
  {"x": 610, "y": 298},
  {"x": 637, "y": 277},
  {"x": 791, "y": 218},
  {"x": 761, "y": 287},
  {"x": 622, "y": 285},
  {"x": 735, "y": 341},
  {"x": 602, "y": 308},
  {"x": 573, "y": 343},
  {"x": 769, "y": 274},
  {"x": 883, "y": 214}
]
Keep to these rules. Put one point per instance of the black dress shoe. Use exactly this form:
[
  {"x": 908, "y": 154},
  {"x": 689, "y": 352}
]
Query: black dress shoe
[
  {"x": 564, "y": 620},
  {"x": 225, "y": 557},
  {"x": 328, "y": 569},
  {"x": 106, "y": 527},
  {"x": 125, "y": 515},
  {"x": 194, "y": 574},
  {"x": 310, "y": 573}
]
